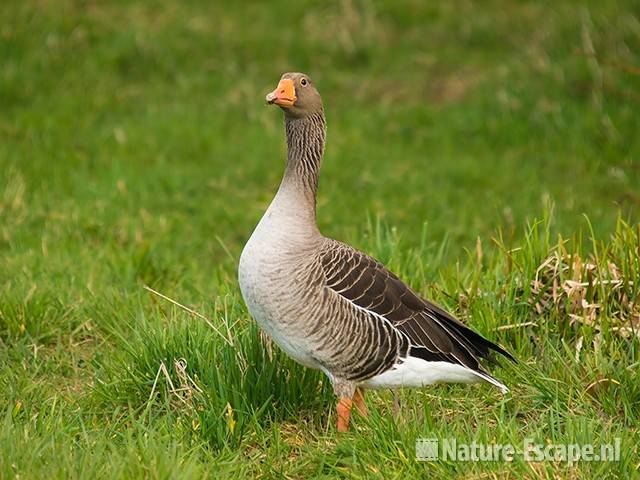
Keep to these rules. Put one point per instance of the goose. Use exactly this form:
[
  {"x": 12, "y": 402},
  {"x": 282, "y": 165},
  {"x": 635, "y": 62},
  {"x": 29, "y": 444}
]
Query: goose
[{"x": 332, "y": 307}]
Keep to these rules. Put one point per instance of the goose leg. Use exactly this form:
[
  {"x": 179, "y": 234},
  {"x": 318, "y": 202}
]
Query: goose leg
[
  {"x": 345, "y": 392},
  {"x": 344, "y": 413},
  {"x": 358, "y": 400}
]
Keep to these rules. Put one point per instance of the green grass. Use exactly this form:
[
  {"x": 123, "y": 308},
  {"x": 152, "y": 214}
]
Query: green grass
[{"x": 135, "y": 150}]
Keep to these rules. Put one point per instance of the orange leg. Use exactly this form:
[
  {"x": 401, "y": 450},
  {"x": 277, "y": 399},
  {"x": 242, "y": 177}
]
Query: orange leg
[
  {"x": 344, "y": 413},
  {"x": 358, "y": 399}
]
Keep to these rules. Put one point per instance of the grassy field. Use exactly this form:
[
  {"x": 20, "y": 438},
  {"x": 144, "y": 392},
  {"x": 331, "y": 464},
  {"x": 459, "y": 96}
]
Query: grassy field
[{"x": 487, "y": 152}]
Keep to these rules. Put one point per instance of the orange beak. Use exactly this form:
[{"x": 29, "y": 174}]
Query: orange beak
[{"x": 284, "y": 95}]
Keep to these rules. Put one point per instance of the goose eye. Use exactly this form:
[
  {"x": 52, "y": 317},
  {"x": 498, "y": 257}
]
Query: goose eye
[{"x": 303, "y": 82}]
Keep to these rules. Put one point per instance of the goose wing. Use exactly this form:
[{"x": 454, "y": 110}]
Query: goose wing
[{"x": 434, "y": 334}]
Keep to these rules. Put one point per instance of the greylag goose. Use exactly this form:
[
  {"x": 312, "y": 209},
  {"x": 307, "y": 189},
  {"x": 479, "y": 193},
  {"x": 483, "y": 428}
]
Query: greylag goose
[{"x": 333, "y": 308}]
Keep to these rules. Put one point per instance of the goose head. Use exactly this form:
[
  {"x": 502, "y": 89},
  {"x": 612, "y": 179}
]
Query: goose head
[{"x": 296, "y": 95}]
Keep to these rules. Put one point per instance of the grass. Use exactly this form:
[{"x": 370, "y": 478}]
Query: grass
[{"x": 135, "y": 150}]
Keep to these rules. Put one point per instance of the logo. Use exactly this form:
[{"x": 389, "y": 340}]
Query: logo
[{"x": 450, "y": 449}]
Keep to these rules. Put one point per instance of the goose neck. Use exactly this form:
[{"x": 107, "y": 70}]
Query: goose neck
[{"x": 305, "y": 148}]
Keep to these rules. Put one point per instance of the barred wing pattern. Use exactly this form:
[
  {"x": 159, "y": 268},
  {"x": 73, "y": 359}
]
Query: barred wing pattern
[{"x": 432, "y": 334}]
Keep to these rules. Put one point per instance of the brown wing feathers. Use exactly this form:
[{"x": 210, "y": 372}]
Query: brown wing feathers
[{"x": 434, "y": 334}]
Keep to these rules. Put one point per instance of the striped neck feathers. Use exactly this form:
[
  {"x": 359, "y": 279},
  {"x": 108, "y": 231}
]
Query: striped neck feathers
[{"x": 305, "y": 147}]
